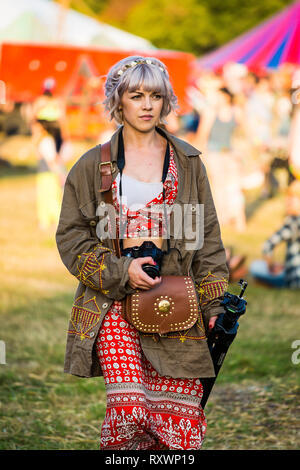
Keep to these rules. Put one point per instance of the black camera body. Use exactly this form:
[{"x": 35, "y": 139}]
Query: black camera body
[{"x": 147, "y": 248}]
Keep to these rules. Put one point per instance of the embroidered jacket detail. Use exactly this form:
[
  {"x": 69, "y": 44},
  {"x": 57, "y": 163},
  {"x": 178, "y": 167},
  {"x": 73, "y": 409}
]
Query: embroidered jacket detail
[
  {"x": 83, "y": 320},
  {"x": 91, "y": 266},
  {"x": 210, "y": 289},
  {"x": 94, "y": 304}
]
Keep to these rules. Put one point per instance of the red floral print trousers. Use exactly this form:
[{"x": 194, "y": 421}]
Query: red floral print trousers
[{"x": 145, "y": 411}]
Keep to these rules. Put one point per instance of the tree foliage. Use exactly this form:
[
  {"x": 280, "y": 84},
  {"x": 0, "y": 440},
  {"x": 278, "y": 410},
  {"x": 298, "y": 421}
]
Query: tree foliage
[
  {"x": 234, "y": 17},
  {"x": 184, "y": 25},
  {"x": 87, "y": 7},
  {"x": 195, "y": 26}
]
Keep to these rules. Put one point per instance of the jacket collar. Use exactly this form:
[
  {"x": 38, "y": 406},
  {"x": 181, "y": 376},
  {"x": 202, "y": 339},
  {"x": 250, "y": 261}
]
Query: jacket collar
[{"x": 181, "y": 147}]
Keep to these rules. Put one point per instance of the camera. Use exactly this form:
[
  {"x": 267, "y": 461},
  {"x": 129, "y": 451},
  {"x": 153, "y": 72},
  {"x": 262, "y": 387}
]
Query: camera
[{"x": 148, "y": 248}]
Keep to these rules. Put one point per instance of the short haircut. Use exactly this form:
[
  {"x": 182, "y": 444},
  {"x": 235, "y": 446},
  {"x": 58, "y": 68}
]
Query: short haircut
[
  {"x": 130, "y": 74},
  {"x": 227, "y": 92}
]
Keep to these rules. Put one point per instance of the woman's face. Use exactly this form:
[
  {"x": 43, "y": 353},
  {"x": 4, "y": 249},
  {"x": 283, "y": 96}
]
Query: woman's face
[
  {"x": 223, "y": 99},
  {"x": 141, "y": 109}
]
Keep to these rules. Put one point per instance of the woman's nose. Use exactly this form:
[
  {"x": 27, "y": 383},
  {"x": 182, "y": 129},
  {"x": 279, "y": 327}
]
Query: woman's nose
[{"x": 147, "y": 104}]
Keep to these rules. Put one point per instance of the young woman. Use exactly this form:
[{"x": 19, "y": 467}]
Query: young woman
[{"x": 152, "y": 382}]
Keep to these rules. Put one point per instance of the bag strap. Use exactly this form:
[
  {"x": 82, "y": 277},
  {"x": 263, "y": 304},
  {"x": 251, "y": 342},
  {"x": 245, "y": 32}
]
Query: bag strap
[{"x": 106, "y": 170}]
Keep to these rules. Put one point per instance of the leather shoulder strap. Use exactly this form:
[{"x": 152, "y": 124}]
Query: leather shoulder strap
[{"x": 106, "y": 169}]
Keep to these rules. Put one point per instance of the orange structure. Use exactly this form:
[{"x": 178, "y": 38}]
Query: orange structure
[{"x": 79, "y": 74}]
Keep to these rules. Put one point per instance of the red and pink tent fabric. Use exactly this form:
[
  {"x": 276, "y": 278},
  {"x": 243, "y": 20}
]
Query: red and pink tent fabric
[{"x": 274, "y": 42}]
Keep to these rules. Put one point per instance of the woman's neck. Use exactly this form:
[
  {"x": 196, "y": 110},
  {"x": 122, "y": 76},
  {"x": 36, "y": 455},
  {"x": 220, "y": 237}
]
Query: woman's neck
[
  {"x": 140, "y": 140},
  {"x": 225, "y": 113}
]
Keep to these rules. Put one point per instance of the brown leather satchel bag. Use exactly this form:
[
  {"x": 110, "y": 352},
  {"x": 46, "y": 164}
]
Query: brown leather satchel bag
[{"x": 170, "y": 306}]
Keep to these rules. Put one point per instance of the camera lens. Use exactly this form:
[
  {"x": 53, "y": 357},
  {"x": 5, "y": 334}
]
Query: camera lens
[{"x": 151, "y": 270}]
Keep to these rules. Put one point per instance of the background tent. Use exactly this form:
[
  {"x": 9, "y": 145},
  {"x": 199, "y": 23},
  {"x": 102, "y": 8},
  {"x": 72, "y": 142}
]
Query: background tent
[
  {"x": 40, "y": 40},
  {"x": 274, "y": 42},
  {"x": 45, "y": 21},
  {"x": 78, "y": 74},
  {"x": 24, "y": 67}
]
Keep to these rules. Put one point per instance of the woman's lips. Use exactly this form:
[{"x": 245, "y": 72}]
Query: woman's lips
[{"x": 146, "y": 117}]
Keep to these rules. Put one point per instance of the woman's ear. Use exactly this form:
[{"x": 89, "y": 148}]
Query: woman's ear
[{"x": 120, "y": 110}]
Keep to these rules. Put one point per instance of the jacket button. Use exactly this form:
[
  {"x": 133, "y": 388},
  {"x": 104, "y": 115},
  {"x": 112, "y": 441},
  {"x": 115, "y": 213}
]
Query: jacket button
[
  {"x": 92, "y": 334},
  {"x": 105, "y": 305},
  {"x": 93, "y": 223}
]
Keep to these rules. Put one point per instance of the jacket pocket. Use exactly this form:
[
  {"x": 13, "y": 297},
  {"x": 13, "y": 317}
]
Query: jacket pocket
[{"x": 88, "y": 213}]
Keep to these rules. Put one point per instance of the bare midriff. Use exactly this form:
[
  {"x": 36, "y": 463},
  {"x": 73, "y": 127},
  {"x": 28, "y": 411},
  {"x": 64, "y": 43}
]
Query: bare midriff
[{"x": 129, "y": 242}]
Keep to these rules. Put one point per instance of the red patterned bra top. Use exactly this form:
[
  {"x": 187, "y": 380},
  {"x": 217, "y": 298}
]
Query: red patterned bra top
[{"x": 149, "y": 220}]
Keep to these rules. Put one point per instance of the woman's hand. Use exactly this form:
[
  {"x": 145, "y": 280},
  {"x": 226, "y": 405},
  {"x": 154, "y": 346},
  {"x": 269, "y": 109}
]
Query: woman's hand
[
  {"x": 212, "y": 322},
  {"x": 138, "y": 279}
]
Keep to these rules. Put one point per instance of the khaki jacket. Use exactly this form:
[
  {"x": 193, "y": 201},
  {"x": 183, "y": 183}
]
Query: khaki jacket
[{"x": 104, "y": 278}]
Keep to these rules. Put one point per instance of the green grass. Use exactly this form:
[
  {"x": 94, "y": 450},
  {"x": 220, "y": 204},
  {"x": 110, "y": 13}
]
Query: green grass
[{"x": 255, "y": 400}]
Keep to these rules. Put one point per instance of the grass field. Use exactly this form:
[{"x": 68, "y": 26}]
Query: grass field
[{"x": 254, "y": 404}]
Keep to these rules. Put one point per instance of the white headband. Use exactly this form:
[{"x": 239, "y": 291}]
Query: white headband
[{"x": 137, "y": 62}]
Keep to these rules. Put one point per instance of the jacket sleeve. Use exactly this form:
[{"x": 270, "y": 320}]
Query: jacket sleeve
[
  {"x": 209, "y": 262},
  {"x": 89, "y": 260}
]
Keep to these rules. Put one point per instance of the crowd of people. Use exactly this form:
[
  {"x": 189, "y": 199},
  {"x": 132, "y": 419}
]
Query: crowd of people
[{"x": 246, "y": 125}]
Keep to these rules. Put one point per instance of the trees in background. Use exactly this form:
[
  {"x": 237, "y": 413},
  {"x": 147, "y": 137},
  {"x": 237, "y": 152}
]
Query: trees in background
[{"x": 195, "y": 26}]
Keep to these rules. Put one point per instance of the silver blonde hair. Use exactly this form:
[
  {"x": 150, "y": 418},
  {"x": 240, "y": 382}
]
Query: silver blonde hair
[{"x": 130, "y": 74}]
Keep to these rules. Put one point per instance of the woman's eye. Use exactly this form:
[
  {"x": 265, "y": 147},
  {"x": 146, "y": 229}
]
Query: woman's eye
[
  {"x": 157, "y": 96},
  {"x": 135, "y": 96}
]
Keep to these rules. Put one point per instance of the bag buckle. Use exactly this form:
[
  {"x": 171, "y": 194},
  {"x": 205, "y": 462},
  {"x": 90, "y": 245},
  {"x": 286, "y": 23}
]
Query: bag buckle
[{"x": 112, "y": 167}]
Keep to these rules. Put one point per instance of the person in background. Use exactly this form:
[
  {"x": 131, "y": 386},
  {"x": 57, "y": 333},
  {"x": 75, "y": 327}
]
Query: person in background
[
  {"x": 294, "y": 136},
  {"x": 49, "y": 175},
  {"x": 189, "y": 125},
  {"x": 49, "y": 108},
  {"x": 280, "y": 142},
  {"x": 215, "y": 137},
  {"x": 272, "y": 274},
  {"x": 259, "y": 114}
]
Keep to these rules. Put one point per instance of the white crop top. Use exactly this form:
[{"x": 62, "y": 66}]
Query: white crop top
[{"x": 135, "y": 193}]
